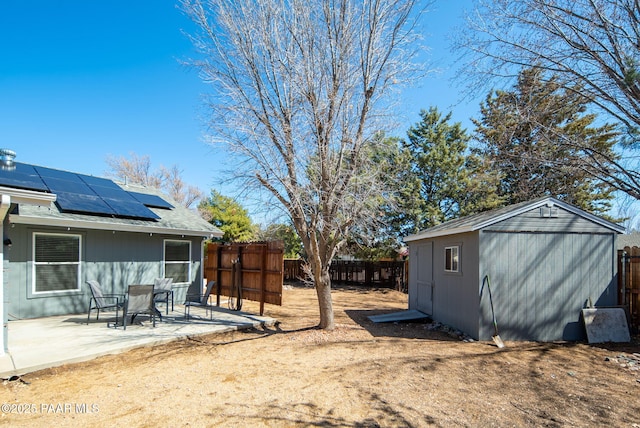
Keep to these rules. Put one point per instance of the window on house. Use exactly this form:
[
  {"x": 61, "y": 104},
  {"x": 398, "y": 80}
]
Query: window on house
[
  {"x": 451, "y": 259},
  {"x": 177, "y": 260},
  {"x": 56, "y": 262}
]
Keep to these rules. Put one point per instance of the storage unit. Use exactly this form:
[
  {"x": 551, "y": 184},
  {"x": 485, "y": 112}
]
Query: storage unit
[{"x": 544, "y": 259}]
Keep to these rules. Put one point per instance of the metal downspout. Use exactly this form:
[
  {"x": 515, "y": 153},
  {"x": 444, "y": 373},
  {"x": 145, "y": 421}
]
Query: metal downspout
[{"x": 5, "y": 203}]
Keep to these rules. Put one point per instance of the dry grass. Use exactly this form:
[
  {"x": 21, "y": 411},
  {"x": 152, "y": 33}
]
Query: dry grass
[{"x": 359, "y": 375}]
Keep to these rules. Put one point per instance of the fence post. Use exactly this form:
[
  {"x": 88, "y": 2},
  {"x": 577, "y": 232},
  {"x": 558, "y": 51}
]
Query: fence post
[
  {"x": 263, "y": 277},
  {"x": 624, "y": 287}
]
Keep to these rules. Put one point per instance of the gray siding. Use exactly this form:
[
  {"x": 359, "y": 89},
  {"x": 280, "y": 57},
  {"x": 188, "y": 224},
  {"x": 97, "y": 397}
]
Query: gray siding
[
  {"x": 564, "y": 222},
  {"x": 414, "y": 261},
  {"x": 540, "y": 281},
  {"x": 455, "y": 297},
  {"x": 116, "y": 260},
  {"x": 543, "y": 263}
]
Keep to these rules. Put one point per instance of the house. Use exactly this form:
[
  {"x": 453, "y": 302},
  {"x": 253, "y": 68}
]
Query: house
[
  {"x": 629, "y": 240},
  {"x": 61, "y": 229},
  {"x": 544, "y": 260}
]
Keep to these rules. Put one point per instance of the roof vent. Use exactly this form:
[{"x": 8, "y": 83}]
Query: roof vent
[
  {"x": 549, "y": 211},
  {"x": 7, "y": 158}
]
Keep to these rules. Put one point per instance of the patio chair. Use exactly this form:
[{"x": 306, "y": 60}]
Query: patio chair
[
  {"x": 163, "y": 291},
  {"x": 139, "y": 301},
  {"x": 101, "y": 301},
  {"x": 199, "y": 300}
]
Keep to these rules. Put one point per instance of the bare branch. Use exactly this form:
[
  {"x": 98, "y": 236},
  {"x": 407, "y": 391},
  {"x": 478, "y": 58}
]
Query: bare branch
[
  {"x": 593, "y": 43},
  {"x": 298, "y": 94}
]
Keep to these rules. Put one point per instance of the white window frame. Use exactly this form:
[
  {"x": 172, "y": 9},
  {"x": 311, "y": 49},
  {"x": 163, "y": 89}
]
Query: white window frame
[
  {"x": 187, "y": 262},
  {"x": 452, "y": 260},
  {"x": 35, "y": 265}
]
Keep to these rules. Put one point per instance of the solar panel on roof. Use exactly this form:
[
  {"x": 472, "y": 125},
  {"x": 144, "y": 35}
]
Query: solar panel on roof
[
  {"x": 56, "y": 173},
  {"x": 127, "y": 209},
  {"x": 99, "y": 181},
  {"x": 79, "y": 193},
  {"x": 57, "y": 185},
  {"x": 78, "y": 203},
  {"x": 113, "y": 193},
  {"x": 22, "y": 177},
  {"x": 151, "y": 200}
]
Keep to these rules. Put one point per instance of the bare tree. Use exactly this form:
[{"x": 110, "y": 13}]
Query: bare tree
[
  {"x": 184, "y": 194},
  {"x": 298, "y": 92},
  {"x": 137, "y": 169},
  {"x": 593, "y": 45}
]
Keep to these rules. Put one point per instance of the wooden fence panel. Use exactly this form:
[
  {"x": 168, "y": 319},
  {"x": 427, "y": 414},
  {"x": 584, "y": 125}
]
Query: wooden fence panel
[
  {"x": 293, "y": 269},
  {"x": 629, "y": 283},
  {"x": 256, "y": 267},
  {"x": 390, "y": 274}
]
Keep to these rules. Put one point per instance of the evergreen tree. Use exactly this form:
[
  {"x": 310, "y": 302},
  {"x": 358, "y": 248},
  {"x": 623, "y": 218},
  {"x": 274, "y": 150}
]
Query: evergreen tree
[
  {"x": 229, "y": 216},
  {"x": 286, "y": 233},
  {"x": 447, "y": 180},
  {"x": 541, "y": 141}
]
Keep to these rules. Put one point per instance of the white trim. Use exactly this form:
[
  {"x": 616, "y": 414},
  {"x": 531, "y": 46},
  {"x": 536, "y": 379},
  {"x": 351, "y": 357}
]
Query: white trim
[
  {"x": 34, "y": 265},
  {"x": 435, "y": 234},
  {"x": 187, "y": 262},
  {"x": 97, "y": 225},
  {"x": 472, "y": 227},
  {"x": 456, "y": 258},
  {"x": 5, "y": 204},
  {"x": 7, "y": 197},
  {"x": 20, "y": 196}
]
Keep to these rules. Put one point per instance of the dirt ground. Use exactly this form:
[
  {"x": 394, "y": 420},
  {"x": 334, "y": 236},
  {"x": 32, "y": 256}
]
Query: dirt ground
[{"x": 359, "y": 375}]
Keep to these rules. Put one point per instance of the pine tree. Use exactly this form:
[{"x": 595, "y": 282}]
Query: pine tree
[
  {"x": 452, "y": 182},
  {"x": 229, "y": 216},
  {"x": 541, "y": 141}
]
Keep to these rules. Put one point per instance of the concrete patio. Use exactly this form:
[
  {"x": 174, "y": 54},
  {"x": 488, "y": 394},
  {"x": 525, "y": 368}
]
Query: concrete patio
[{"x": 41, "y": 343}]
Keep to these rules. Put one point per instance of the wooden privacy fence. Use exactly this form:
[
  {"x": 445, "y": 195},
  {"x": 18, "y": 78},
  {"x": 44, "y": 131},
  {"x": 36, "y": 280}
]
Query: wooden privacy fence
[
  {"x": 629, "y": 283},
  {"x": 389, "y": 274},
  {"x": 252, "y": 271}
]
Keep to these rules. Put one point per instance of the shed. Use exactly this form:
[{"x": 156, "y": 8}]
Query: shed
[
  {"x": 545, "y": 260},
  {"x": 84, "y": 227}
]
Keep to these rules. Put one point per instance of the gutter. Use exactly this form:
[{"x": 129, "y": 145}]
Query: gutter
[
  {"x": 116, "y": 227},
  {"x": 5, "y": 204}
]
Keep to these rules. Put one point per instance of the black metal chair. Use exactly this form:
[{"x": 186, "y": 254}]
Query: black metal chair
[
  {"x": 199, "y": 300},
  {"x": 139, "y": 301},
  {"x": 101, "y": 301}
]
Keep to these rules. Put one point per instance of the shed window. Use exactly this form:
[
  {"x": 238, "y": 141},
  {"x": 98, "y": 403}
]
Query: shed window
[
  {"x": 56, "y": 262},
  {"x": 451, "y": 259},
  {"x": 177, "y": 260}
]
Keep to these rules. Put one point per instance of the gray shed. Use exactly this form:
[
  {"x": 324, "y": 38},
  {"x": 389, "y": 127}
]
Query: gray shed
[
  {"x": 545, "y": 259},
  {"x": 75, "y": 228}
]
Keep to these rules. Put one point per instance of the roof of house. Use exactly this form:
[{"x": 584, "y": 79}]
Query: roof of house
[
  {"x": 481, "y": 220},
  {"x": 628, "y": 240},
  {"x": 165, "y": 217}
]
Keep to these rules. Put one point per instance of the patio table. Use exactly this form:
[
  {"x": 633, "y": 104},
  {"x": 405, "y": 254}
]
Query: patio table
[{"x": 168, "y": 294}]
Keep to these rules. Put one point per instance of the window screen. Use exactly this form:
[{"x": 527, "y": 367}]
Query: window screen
[
  {"x": 177, "y": 260},
  {"x": 56, "y": 262}
]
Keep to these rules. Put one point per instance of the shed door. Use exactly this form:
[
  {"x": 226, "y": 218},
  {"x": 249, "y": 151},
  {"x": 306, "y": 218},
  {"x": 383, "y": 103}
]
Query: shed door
[{"x": 424, "y": 278}]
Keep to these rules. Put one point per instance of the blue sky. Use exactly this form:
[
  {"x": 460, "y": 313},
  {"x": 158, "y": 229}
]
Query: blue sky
[{"x": 82, "y": 80}]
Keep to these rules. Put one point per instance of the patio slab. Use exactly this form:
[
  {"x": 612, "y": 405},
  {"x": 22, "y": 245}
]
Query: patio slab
[{"x": 42, "y": 343}]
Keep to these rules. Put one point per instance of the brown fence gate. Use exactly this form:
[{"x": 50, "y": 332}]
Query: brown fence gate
[
  {"x": 629, "y": 283},
  {"x": 251, "y": 271}
]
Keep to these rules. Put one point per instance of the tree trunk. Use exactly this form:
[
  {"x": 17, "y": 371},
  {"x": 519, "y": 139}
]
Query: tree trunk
[{"x": 323, "y": 290}]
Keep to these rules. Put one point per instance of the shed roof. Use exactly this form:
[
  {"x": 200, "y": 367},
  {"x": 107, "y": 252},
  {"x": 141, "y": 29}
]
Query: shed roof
[
  {"x": 481, "y": 220},
  {"x": 176, "y": 220}
]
